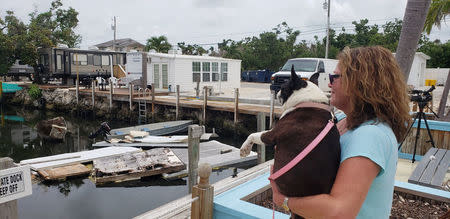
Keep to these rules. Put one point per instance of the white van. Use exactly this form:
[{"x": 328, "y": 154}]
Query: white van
[{"x": 315, "y": 70}]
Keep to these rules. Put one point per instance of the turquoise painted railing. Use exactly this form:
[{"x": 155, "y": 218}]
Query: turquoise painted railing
[{"x": 10, "y": 88}]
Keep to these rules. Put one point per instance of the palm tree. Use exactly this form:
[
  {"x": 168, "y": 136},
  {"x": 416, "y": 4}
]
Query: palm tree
[
  {"x": 159, "y": 44},
  {"x": 413, "y": 22},
  {"x": 439, "y": 9}
]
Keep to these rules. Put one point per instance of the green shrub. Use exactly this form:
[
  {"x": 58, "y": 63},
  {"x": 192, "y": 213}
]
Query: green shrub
[{"x": 34, "y": 92}]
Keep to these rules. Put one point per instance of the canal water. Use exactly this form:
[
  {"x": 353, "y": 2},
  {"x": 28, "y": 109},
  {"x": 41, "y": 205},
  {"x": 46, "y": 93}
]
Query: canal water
[{"x": 80, "y": 197}]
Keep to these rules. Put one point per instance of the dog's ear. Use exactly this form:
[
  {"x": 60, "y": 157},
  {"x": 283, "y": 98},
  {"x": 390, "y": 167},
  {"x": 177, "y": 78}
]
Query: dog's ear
[
  {"x": 294, "y": 77},
  {"x": 295, "y": 82}
]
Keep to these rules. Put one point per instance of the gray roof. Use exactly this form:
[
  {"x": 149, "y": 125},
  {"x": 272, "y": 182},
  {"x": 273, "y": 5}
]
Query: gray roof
[{"x": 120, "y": 43}]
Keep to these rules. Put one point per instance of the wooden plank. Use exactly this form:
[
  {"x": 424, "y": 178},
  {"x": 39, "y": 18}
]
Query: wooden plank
[
  {"x": 417, "y": 173},
  {"x": 79, "y": 157},
  {"x": 49, "y": 158},
  {"x": 142, "y": 145},
  {"x": 61, "y": 173},
  {"x": 439, "y": 175},
  {"x": 136, "y": 165},
  {"x": 428, "y": 173}
]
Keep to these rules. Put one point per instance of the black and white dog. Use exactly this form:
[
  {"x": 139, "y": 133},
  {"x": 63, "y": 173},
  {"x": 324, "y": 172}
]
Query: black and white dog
[{"x": 297, "y": 127}]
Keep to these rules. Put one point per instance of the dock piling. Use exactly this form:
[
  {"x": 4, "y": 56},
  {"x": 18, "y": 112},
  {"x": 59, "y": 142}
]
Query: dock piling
[
  {"x": 205, "y": 103},
  {"x": 111, "y": 88},
  {"x": 77, "y": 92},
  {"x": 93, "y": 95},
  {"x": 236, "y": 105},
  {"x": 8, "y": 209},
  {"x": 177, "y": 104},
  {"x": 197, "y": 89},
  {"x": 194, "y": 133},
  {"x": 153, "y": 101},
  {"x": 130, "y": 88},
  {"x": 202, "y": 208},
  {"x": 261, "y": 126}
]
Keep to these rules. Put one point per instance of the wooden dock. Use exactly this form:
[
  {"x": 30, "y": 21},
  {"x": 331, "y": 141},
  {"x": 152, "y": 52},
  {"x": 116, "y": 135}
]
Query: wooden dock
[
  {"x": 218, "y": 155},
  {"x": 162, "y": 98},
  {"x": 213, "y": 152},
  {"x": 131, "y": 166}
]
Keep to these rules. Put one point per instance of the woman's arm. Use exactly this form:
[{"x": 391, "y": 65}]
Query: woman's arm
[{"x": 353, "y": 180}]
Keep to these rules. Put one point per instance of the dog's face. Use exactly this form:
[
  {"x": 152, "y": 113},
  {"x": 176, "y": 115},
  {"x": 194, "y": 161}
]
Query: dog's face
[{"x": 294, "y": 83}]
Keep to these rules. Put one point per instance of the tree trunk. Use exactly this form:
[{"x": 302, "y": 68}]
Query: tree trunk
[
  {"x": 413, "y": 22},
  {"x": 443, "y": 101},
  {"x": 446, "y": 118}
]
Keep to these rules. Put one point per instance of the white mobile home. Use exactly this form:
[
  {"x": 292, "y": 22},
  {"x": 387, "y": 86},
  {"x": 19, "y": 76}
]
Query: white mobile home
[{"x": 168, "y": 70}]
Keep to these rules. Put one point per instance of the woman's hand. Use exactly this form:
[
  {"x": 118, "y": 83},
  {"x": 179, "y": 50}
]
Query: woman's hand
[{"x": 278, "y": 198}]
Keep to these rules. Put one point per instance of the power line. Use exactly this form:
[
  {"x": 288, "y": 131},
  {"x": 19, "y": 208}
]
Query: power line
[
  {"x": 294, "y": 27},
  {"x": 335, "y": 26}
]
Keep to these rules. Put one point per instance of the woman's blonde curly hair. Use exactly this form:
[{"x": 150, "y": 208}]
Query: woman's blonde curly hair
[{"x": 376, "y": 88}]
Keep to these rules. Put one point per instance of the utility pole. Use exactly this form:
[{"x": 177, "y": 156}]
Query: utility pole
[
  {"x": 326, "y": 5},
  {"x": 114, "y": 27}
]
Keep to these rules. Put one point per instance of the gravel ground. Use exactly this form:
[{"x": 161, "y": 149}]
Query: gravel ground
[{"x": 403, "y": 206}]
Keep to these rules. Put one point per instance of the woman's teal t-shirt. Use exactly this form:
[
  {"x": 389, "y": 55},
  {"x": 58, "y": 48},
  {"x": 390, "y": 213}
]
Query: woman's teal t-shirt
[{"x": 375, "y": 141}]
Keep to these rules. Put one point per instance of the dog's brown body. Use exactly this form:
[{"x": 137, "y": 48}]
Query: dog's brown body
[
  {"x": 298, "y": 127},
  {"x": 315, "y": 174}
]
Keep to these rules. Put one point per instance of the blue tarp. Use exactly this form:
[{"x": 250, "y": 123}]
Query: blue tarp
[
  {"x": 10, "y": 88},
  {"x": 256, "y": 76}
]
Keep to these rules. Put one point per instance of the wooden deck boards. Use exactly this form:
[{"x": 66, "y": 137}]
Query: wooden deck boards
[{"x": 432, "y": 168}]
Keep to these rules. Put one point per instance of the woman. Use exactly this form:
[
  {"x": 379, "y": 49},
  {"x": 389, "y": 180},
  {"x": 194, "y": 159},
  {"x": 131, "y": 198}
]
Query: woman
[{"x": 369, "y": 88}]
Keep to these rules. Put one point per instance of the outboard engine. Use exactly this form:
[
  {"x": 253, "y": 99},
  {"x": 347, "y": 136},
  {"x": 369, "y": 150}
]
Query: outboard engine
[{"x": 102, "y": 131}]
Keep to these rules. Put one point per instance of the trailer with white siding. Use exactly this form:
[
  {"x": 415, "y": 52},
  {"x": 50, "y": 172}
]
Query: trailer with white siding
[{"x": 168, "y": 70}]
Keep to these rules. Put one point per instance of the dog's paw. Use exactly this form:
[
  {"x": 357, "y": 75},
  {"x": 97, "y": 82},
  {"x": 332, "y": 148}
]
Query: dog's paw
[{"x": 246, "y": 147}]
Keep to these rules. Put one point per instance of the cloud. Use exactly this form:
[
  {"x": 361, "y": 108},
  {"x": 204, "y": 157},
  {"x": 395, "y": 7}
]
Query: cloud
[{"x": 211, "y": 21}]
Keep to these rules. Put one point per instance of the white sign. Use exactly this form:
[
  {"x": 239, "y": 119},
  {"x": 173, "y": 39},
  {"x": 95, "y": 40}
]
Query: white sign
[{"x": 15, "y": 183}]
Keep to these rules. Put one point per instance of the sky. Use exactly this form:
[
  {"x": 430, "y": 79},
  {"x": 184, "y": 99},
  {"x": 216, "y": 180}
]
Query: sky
[{"x": 208, "y": 22}]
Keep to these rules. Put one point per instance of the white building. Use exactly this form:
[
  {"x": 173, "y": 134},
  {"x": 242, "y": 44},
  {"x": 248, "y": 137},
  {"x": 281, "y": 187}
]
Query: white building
[
  {"x": 437, "y": 74},
  {"x": 168, "y": 70},
  {"x": 417, "y": 73}
]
